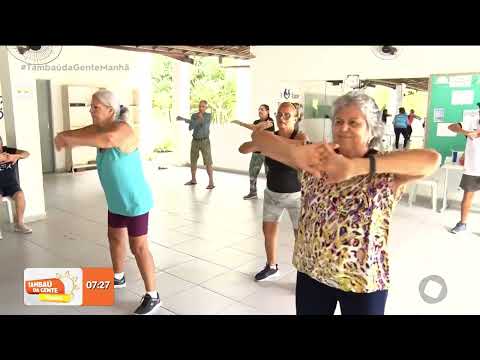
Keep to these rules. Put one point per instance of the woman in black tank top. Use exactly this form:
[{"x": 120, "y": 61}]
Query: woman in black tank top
[
  {"x": 257, "y": 160},
  {"x": 283, "y": 188}
]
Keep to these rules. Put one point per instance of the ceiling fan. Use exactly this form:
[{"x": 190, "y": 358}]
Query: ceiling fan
[{"x": 386, "y": 52}]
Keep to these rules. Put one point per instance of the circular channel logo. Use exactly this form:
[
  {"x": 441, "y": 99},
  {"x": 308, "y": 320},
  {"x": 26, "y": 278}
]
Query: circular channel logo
[{"x": 35, "y": 55}]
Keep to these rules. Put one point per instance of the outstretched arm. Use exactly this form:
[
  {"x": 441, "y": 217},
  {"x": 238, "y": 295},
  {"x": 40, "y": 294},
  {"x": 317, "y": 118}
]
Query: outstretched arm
[
  {"x": 191, "y": 122},
  {"x": 406, "y": 165},
  {"x": 245, "y": 125},
  {"x": 457, "y": 128},
  {"x": 95, "y": 136},
  {"x": 273, "y": 146},
  {"x": 321, "y": 158}
]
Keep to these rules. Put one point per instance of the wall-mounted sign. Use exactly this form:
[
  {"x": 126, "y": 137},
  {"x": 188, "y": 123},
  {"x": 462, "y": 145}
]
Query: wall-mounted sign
[{"x": 289, "y": 95}]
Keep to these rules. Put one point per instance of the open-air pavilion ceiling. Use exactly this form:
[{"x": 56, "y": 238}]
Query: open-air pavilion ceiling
[
  {"x": 419, "y": 84},
  {"x": 184, "y": 53}
]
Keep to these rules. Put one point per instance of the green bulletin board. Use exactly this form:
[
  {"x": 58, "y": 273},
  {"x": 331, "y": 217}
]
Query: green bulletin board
[{"x": 450, "y": 95}]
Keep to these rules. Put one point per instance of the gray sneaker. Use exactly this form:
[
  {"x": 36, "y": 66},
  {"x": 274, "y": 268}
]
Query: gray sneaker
[
  {"x": 148, "y": 305},
  {"x": 250, "y": 196},
  {"x": 459, "y": 228},
  {"x": 21, "y": 228},
  {"x": 268, "y": 273}
]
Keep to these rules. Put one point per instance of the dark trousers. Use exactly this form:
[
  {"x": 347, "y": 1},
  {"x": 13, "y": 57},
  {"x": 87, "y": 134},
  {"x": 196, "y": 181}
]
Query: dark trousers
[
  {"x": 314, "y": 298},
  {"x": 406, "y": 137}
]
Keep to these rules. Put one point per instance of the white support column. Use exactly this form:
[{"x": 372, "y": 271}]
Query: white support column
[
  {"x": 144, "y": 87},
  {"x": 244, "y": 94},
  {"x": 181, "y": 107},
  {"x": 22, "y": 130},
  {"x": 398, "y": 98}
]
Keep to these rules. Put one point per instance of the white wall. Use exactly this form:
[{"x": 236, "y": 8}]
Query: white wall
[
  {"x": 274, "y": 65},
  {"x": 138, "y": 76}
]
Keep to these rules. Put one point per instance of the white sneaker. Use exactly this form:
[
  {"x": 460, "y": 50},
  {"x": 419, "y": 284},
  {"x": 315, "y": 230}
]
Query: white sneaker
[
  {"x": 1, "y": 235},
  {"x": 21, "y": 228}
]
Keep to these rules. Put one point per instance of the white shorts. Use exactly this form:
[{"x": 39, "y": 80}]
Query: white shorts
[{"x": 275, "y": 203}]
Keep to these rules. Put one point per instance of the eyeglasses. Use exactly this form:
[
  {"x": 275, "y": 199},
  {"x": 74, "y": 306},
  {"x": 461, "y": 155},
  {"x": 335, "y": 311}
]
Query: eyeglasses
[{"x": 286, "y": 115}]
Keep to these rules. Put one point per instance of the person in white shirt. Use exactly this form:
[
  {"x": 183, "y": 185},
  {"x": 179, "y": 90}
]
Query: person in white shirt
[{"x": 470, "y": 182}]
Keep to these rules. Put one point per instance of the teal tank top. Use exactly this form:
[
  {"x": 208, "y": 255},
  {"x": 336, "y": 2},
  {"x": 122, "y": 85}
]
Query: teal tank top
[
  {"x": 400, "y": 121},
  {"x": 123, "y": 182}
]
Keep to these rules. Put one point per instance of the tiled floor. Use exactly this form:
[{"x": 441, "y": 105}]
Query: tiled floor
[{"x": 207, "y": 246}]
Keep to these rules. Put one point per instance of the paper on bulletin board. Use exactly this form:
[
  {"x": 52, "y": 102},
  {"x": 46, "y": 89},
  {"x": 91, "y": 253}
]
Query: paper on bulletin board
[
  {"x": 442, "y": 130},
  {"x": 462, "y": 97},
  {"x": 460, "y": 81},
  {"x": 439, "y": 115},
  {"x": 470, "y": 116},
  {"x": 442, "y": 80}
]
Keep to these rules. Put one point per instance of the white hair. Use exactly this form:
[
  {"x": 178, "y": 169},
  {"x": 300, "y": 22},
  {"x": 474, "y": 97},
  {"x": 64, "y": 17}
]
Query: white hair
[
  {"x": 108, "y": 98},
  {"x": 369, "y": 109}
]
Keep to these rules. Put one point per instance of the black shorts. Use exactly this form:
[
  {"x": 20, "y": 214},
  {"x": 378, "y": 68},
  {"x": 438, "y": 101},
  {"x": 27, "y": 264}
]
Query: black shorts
[
  {"x": 470, "y": 183},
  {"x": 9, "y": 190}
]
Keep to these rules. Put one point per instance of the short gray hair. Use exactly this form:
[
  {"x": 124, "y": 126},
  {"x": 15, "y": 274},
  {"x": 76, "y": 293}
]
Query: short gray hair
[
  {"x": 108, "y": 98},
  {"x": 370, "y": 110}
]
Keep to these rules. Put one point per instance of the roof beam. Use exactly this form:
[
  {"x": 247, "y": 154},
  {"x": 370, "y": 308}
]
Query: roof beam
[
  {"x": 213, "y": 51},
  {"x": 175, "y": 56}
]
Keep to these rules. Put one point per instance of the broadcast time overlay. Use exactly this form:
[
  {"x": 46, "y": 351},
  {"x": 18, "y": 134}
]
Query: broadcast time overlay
[{"x": 69, "y": 286}]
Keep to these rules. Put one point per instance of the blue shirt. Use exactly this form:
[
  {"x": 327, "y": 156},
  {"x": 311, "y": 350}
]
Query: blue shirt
[
  {"x": 123, "y": 182},
  {"x": 400, "y": 121},
  {"x": 201, "y": 129}
]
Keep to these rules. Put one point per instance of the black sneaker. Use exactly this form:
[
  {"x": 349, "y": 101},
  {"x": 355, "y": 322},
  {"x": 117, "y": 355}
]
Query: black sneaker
[
  {"x": 459, "y": 228},
  {"x": 250, "y": 196},
  {"x": 119, "y": 283},
  {"x": 268, "y": 273},
  {"x": 148, "y": 305}
]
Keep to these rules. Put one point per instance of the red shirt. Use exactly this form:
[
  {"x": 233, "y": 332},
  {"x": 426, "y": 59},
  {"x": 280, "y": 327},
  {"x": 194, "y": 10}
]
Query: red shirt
[{"x": 410, "y": 118}]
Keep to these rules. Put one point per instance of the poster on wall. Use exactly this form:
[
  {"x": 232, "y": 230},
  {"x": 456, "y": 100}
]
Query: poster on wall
[
  {"x": 460, "y": 81},
  {"x": 438, "y": 115},
  {"x": 462, "y": 97},
  {"x": 442, "y": 130}
]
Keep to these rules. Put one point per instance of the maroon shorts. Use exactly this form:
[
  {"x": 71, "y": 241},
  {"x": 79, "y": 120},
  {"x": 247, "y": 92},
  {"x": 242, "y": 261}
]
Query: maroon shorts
[{"x": 136, "y": 225}]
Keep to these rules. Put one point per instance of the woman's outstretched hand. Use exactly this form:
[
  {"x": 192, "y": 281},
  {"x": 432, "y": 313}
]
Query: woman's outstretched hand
[{"x": 60, "y": 142}]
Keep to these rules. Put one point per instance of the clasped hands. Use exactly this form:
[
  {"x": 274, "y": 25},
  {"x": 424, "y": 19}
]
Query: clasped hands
[{"x": 317, "y": 159}]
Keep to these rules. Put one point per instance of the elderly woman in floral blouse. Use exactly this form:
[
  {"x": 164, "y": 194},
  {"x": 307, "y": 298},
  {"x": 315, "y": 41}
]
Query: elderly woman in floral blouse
[{"x": 349, "y": 191}]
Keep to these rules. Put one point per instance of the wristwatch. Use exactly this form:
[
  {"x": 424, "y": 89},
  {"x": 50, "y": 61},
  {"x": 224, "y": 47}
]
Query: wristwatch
[{"x": 373, "y": 165}]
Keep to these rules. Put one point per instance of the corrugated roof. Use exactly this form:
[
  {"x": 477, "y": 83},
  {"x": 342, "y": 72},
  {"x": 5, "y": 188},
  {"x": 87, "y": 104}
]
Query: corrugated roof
[{"x": 184, "y": 53}]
